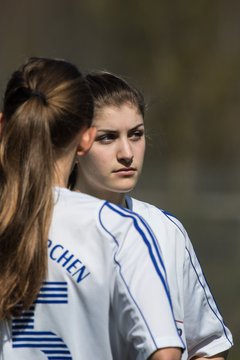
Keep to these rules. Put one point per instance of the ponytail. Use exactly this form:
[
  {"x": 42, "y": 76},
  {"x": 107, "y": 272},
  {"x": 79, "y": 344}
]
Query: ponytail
[
  {"x": 46, "y": 104},
  {"x": 26, "y": 200}
]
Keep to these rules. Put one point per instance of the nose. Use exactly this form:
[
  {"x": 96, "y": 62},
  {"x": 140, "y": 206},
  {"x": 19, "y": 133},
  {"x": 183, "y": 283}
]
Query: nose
[{"x": 125, "y": 153}]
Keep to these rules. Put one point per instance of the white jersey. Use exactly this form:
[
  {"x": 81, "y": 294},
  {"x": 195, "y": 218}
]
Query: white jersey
[
  {"x": 196, "y": 314},
  {"x": 102, "y": 264}
]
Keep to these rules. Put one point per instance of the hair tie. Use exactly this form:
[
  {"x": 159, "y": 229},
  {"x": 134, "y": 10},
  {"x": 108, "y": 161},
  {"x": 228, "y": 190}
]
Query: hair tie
[{"x": 39, "y": 94}]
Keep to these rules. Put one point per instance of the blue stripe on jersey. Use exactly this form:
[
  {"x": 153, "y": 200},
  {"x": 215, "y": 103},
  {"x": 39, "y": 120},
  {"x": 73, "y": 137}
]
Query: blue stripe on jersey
[
  {"x": 216, "y": 313},
  {"x": 51, "y": 301},
  {"x": 135, "y": 217},
  {"x": 152, "y": 236},
  {"x": 27, "y": 345},
  {"x": 129, "y": 214},
  {"x": 53, "y": 293},
  {"x": 59, "y": 358},
  {"x": 53, "y": 289},
  {"x": 58, "y": 283},
  {"x": 34, "y": 339},
  {"x": 129, "y": 204},
  {"x": 124, "y": 281},
  {"x": 49, "y": 343},
  {"x": 22, "y": 327},
  {"x": 51, "y": 352},
  {"x": 17, "y": 321},
  {"x": 28, "y": 314}
]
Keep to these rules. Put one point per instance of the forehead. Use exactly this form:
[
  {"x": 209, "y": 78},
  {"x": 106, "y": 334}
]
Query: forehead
[{"x": 126, "y": 115}]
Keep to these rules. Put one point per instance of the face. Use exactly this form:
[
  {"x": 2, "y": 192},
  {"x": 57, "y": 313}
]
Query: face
[{"x": 114, "y": 162}]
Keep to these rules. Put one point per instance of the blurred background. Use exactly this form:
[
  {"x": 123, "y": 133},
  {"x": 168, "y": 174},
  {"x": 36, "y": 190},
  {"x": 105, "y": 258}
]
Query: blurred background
[{"x": 185, "y": 57}]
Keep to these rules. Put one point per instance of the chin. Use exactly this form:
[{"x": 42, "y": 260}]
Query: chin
[
  {"x": 124, "y": 189},
  {"x": 125, "y": 186}
]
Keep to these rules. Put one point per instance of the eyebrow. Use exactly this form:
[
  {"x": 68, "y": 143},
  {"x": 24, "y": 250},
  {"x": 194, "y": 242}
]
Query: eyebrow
[{"x": 116, "y": 131}]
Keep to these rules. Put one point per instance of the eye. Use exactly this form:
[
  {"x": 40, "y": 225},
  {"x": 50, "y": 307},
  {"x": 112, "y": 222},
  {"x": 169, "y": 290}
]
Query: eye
[
  {"x": 136, "y": 134},
  {"x": 106, "y": 138}
]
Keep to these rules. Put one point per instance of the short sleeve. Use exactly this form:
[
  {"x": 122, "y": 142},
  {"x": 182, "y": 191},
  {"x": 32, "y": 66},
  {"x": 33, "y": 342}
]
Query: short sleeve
[
  {"x": 140, "y": 297},
  {"x": 206, "y": 333}
]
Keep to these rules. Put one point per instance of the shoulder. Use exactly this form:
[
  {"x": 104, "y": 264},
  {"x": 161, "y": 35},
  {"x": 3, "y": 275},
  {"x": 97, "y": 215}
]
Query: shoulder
[
  {"x": 75, "y": 210},
  {"x": 154, "y": 214},
  {"x": 116, "y": 219},
  {"x": 67, "y": 198}
]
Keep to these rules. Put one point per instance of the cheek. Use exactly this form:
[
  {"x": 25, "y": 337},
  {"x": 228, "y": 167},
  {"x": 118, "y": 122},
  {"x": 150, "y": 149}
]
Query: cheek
[
  {"x": 97, "y": 160},
  {"x": 88, "y": 164},
  {"x": 140, "y": 152},
  {"x": 103, "y": 154}
]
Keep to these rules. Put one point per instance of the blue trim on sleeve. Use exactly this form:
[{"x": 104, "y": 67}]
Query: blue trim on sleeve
[
  {"x": 124, "y": 281},
  {"x": 168, "y": 215},
  {"x": 150, "y": 233},
  {"x": 134, "y": 216},
  {"x": 203, "y": 287},
  {"x": 130, "y": 210},
  {"x": 129, "y": 204}
]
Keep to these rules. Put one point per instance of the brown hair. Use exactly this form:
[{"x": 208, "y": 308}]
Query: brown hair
[
  {"x": 112, "y": 90},
  {"x": 46, "y": 104}
]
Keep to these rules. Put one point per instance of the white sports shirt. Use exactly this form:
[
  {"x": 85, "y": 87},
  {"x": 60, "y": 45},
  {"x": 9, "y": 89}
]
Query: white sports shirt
[
  {"x": 196, "y": 314},
  {"x": 103, "y": 263}
]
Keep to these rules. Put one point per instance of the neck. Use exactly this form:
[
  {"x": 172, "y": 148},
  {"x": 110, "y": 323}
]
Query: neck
[
  {"x": 62, "y": 171},
  {"x": 60, "y": 181},
  {"x": 115, "y": 198}
]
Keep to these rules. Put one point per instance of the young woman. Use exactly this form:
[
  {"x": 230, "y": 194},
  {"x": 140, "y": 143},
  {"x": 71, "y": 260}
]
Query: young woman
[
  {"x": 65, "y": 278},
  {"x": 109, "y": 171}
]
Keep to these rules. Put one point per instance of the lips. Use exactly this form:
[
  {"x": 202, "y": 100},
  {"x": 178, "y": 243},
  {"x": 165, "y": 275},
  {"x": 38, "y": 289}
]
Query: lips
[{"x": 125, "y": 170}]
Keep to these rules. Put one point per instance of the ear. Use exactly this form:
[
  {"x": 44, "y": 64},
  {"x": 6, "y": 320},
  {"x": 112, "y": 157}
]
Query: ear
[
  {"x": 1, "y": 122},
  {"x": 86, "y": 140}
]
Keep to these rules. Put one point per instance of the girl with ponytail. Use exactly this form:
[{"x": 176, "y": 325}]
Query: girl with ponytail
[
  {"x": 65, "y": 269},
  {"x": 46, "y": 103}
]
